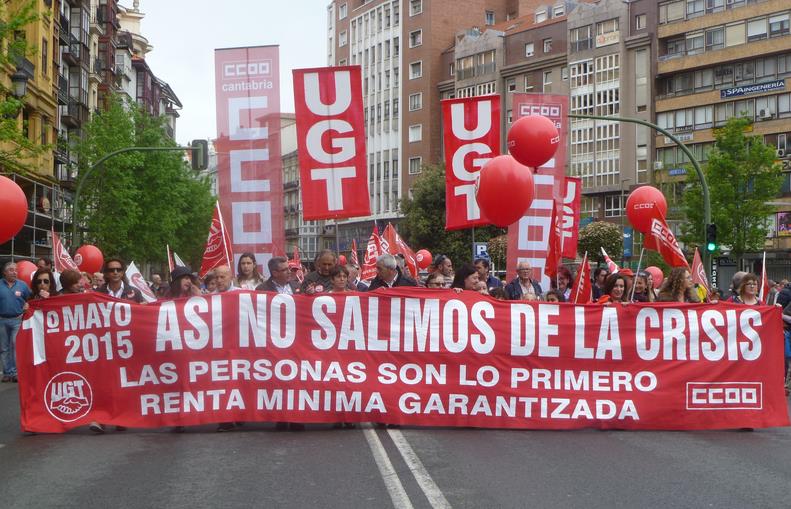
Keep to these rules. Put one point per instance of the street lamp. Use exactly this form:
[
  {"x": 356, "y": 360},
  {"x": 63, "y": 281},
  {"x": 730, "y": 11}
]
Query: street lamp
[
  {"x": 19, "y": 84},
  {"x": 623, "y": 230}
]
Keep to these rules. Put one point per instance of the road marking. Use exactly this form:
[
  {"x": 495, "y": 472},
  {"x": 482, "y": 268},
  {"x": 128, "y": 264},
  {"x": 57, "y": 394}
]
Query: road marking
[
  {"x": 427, "y": 484},
  {"x": 389, "y": 476}
]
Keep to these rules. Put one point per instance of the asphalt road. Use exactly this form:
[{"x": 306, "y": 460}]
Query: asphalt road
[{"x": 322, "y": 467}]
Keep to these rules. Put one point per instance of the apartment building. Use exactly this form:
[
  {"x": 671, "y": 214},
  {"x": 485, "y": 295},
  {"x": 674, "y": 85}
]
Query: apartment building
[{"x": 719, "y": 59}]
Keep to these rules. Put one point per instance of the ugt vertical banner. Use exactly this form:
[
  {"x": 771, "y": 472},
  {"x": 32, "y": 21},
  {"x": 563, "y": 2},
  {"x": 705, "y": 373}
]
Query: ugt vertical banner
[
  {"x": 472, "y": 137},
  {"x": 249, "y": 175},
  {"x": 328, "y": 103},
  {"x": 528, "y": 238}
]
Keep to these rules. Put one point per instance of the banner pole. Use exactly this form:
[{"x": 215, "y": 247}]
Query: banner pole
[{"x": 639, "y": 263}]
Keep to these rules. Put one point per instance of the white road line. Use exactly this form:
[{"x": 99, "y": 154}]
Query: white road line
[
  {"x": 427, "y": 484},
  {"x": 389, "y": 476}
]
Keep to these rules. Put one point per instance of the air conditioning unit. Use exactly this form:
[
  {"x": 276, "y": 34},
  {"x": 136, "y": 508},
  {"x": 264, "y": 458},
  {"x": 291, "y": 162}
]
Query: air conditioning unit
[
  {"x": 781, "y": 152},
  {"x": 764, "y": 114},
  {"x": 658, "y": 165}
]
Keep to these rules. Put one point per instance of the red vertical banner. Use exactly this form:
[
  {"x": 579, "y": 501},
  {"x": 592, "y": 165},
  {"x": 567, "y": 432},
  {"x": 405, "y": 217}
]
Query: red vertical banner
[
  {"x": 472, "y": 137},
  {"x": 570, "y": 219},
  {"x": 528, "y": 238},
  {"x": 328, "y": 103},
  {"x": 249, "y": 174}
]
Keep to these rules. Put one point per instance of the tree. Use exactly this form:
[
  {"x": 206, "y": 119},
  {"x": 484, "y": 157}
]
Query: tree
[
  {"x": 423, "y": 226},
  {"x": 742, "y": 177},
  {"x": 137, "y": 202},
  {"x": 597, "y": 235},
  {"x": 17, "y": 150}
]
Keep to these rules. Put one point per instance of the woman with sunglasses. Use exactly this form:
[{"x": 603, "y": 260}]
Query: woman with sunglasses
[
  {"x": 748, "y": 291},
  {"x": 43, "y": 284}
]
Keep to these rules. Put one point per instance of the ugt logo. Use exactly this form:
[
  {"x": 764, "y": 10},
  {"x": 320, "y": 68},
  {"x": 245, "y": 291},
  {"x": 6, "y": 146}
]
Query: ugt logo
[{"x": 68, "y": 396}]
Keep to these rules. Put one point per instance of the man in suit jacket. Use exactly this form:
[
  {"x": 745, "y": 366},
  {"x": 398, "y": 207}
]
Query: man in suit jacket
[
  {"x": 279, "y": 278},
  {"x": 388, "y": 275}
]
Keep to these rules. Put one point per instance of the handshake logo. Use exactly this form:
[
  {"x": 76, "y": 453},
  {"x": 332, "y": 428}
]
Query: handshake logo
[{"x": 68, "y": 396}]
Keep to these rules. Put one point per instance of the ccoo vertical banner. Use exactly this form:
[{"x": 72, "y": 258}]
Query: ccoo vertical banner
[
  {"x": 528, "y": 238},
  {"x": 249, "y": 176},
  {"x": 328, "y": 103}
]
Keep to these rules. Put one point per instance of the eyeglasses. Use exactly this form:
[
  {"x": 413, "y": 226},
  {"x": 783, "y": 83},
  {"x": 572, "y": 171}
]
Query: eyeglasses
[
  {"x": 113, "y": 269},
  {"x": 751, "y": 283},
  {"x": 41, "y": 281}
]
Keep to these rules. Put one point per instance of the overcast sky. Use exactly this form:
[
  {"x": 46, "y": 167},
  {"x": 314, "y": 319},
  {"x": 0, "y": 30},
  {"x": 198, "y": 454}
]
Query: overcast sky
[{"x": 184, "y": 34}]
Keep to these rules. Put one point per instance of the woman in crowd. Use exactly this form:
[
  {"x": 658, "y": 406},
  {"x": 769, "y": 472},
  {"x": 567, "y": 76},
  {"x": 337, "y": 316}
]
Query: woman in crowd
[
  {"x": 247, "y": 276},
  {"x": 614, "y": 290},
  {"x": 599, "y": 277},
  {"x": 562, "y": 282},
  {"x": 435, "y": 280},
  {"x": 642, "y": 291},
  {"x": 747, "y": 293},
  {"x": 498, "y": 292},
  {"x": 554, "y": 296},
  {"x": 71, "y": 281},
  {"x": 209, "y": 282},
  {"x": 339, "y": 276},
  {"x": 182, "y": 284},
  {"x": 466, "y": 278},
  {"x": 678, "y": 287},
  {"x": 43, "y": 284}
]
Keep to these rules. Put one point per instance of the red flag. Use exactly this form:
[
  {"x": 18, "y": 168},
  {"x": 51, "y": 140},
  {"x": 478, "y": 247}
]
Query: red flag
[
  {"x": 660, "y": 238},
  {"x": 61, "y": 259},
  {"x": 554, "y": 251},
  {"x": 472, "y": 137},
  {"x": 698, "y": 272},
  {"x": 331, "y": 142},
  {"x": 373, "y": 251},
  {"x": 397, "y": 245},
  {"x": 570, "y": 219},
  {"x": 354, "y": 257},
  {"x": 296, "y": 263},
  {"x": 763, "y": 296},
  {"x": 218, "y": 244},
  {"x": 581, "y": 289},
  {"x": 612, "y": 268}
]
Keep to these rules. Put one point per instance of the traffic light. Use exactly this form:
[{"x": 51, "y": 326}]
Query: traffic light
[
  {"x": 200, "y": 155},
  {"x": 711, "y": 237}
]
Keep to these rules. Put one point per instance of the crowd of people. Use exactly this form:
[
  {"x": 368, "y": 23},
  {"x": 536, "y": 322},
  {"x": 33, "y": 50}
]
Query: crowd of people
[{"x": 620, "y": 288}]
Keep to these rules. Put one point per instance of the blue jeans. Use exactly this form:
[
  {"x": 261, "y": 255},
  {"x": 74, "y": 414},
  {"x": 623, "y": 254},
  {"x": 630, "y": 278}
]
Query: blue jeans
[{"x": 8, "y": 329}]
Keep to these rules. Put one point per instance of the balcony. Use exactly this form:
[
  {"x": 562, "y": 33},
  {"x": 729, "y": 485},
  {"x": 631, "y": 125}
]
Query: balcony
[
  {"x": 63, "y": 90},
  {"x": 61, "y": 150},
  {"x": 74, "y": 113},
  {"x": 292, "y": 232},
  {"x": 63, "y": 32},
  {"x": 72, "y": 52}
]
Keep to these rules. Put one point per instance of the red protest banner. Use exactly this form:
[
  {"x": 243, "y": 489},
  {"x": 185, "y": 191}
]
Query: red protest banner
[
  {"x": 402, "y": 356},
  {"x": 218, "y": 245},
  {"x": 472, "y": 137},
  {"x": 249, "y": 174},
  {"x": 661, "y": 238},
  {"x": 61, "y": 259},
  {"x": 331, "y": 142},
  {"x": 570, "y": 226}
]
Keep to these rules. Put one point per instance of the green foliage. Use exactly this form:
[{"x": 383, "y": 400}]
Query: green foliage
[
  {"x": 498, "y": 250},
  {"x": 17, "y": 151},
  {"x": 742, "y": 177},
  {"x": 597, "y": 235},
  {"x": 137, "y": 202},
  {"x": 423, "y": 226}
]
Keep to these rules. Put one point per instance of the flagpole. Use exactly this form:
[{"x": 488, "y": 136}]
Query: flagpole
[
  {"x": 761, "y": 296},
  {"x": 639, "y": 262},
  {"x": 577, "y": 292}
]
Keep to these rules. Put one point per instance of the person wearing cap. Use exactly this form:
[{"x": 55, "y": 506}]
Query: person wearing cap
[
  {"x": 183, "y": 283},
  {"x": 280, "y": 280}
]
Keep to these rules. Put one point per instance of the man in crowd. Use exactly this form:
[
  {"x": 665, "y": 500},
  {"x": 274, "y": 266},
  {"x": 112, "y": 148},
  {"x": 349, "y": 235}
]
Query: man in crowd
[
  {"x": 156, "y": 286},
  {"x": 523, "y": 287},
  {"x": 280, "y": 280},
  {"x": 223, "y": 278},
  {"x": 444, "y": 266},
  {"x": 388, "y": 274},
  {"x": 319, "y": 280},
  {"x": 44, "y": 263},
  {"x": 13, "y": 301},
  {"x": 116, "y": 284},
  {"x": 482, "y": 266},
  {"x": 354, "y": 278}
]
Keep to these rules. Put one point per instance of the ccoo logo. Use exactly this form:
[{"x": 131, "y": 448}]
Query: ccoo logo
[{"x": 68, "y": 396}]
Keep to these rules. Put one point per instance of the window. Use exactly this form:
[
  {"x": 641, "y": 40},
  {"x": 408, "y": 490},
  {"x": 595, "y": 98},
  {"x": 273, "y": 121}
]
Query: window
[
  {"x": 415, "y": 38},
  {"x": 415, "y": 133},
  {"x": 415, "y": 101},
  {"x": 342, "y": 38},
  {"x": 704, "y": 79},
  {"x": 45, "y": 57},
  {"x": 715, "y": 5},
  {"x": 529, "y": 49},
  {"x": 606, "y": 27},
  {"x": 784, "y": 105},
  {"x": 715, "y": 38},
  {"x": 684, "y": 119},
  {"x": 547, "y": 81},
  {"x": 765, "y": 108},
  {"x": 541, "y": 16},
  {"x": 639, "y": 22},
  {"x": 564, "y": 73},
  {"x": 342, "y": 61},
  {"x": 558, "y": 10},
  {"x": 612, "y": 205},
  {"x": 671, "y": 11},
  {"x": 547, "y": 45},
  {"x": 528, "y": 86},
  {"x": 510, "y": 84},
  {"x": 342, "y": 11},
  {"x": 509, "y": 116},
  {"x": 734, "y": 34},
  {"x": 452, "y": 68},
  {"x": 722, "y": 112},
  {"x": 582, "y": 38},
  {"x": 744, "y": 108},
  {"x": 704, "y": 117},
  {"x": 676, "y": 46},
  {"x": 490, "y": 17},
  {"x": 415, "y": 7},
  {"x": 416, "y": 69},
  {"x": 695, "y": 8},
  {"x": 766, "y": 67},
  {"x": 756, "y": 29},
  {"x": 778, "y": 25},
  {"x": 694, "y": 43},
  {"x": 414, "y": 165}
]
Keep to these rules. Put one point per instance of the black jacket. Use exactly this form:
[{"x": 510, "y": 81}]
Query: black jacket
[
  {"x": 514, "y": 289},
  {"x": 400, "y": 280},
  {"x": 129, "y": 293}
]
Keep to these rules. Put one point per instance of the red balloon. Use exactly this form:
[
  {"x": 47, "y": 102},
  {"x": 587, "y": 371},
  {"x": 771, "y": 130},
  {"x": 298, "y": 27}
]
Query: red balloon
[
  {"x": 342, "y": 260},
  {"x": 533, "y": 140},
  {"x": 25, "y": 271},
  {"x": 423, "y": 259},
  {"x": 13, "y": 203},
  {"x": 656, "y": 275},
  {"x": 505, "y": 190},
  {"x": 644, "y": 205},
  {"x": 89, "y": 259}
]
